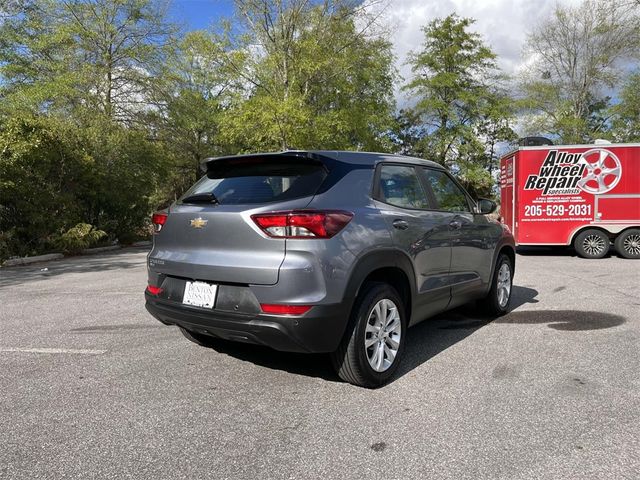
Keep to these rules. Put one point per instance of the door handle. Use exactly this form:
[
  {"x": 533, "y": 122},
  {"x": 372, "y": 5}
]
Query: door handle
[
  {"x": 400, "y": 224},
  {"x": 455, "y": 224}
]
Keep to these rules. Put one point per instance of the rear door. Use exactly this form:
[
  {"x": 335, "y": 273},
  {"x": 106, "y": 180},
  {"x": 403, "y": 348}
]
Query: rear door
[
  {"x": 419, "y": 232},
  {"x": 209, "y": 234}
]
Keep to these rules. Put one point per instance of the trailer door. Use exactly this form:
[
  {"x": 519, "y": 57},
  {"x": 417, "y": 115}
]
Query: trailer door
[{"x": 507, "y": 193}]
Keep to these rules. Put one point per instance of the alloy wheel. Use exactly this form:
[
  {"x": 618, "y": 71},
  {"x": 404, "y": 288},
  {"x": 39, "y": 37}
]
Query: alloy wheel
[
  {"x": 593, "y": 244},
  {"x": 382, "y": 335},
  {"x": 631, "y": 244},
  {"x": 504, "y": 284}
]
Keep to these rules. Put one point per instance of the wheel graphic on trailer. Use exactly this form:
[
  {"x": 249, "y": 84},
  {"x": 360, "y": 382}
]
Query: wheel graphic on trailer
[{"x": 603, "y": 171}]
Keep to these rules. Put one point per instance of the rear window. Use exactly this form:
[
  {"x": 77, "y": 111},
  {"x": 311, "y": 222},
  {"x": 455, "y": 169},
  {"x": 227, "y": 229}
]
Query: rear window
[{"x": 257, "y": 181}]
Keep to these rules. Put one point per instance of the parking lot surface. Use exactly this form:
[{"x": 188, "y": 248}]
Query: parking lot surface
[{"x": 91, "y": 386}]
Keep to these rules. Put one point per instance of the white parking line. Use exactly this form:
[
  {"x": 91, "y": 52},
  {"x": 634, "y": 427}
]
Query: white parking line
[{"x": 54, "y": 350}]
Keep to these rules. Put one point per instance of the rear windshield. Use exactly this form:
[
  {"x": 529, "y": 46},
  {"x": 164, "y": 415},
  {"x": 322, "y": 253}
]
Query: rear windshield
[{"x": 256, "y": 181}]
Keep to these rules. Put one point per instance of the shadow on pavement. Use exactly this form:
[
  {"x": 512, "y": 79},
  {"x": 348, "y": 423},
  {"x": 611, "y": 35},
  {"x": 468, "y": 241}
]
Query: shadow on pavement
[
  {"x": 427, "y": 339},
  {"x": 431, "y": 337},
  {"x": 115, "y": 260},
  {"x": 550, "y": 251},
  {"x": 310, "y": 365},
  {"x": 556, "y": 251}
]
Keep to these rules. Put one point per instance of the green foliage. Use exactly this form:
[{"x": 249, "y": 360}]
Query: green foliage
[
  {"x": 462, "y": 111},
  {"x": 192, "y": 99},
  {"x": 78, "y": 238},
  {"x": 322, "y": 82},
  {"x": 626, "y": 113},
  {"x": 54, "y": 175},
  {"x": 41, "y": 163},
  {"x": 78, "y": 79},
  {"x": 102, "y": 55}
]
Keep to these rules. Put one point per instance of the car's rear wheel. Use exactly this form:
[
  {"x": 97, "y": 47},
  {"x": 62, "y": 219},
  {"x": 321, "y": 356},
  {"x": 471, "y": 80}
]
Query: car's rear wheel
[
  {"x": 628, "y": 243},
  {"x": 199, "y": 338},
  {"x": 373, "y": 344},
  {"x": 592, "y": 243},
  {"x": 496, "y": 303}
]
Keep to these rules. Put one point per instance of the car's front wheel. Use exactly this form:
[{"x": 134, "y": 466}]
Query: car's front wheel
[
  {"x": 496, "y": 303},
  {"x": 371, "y": 349}
]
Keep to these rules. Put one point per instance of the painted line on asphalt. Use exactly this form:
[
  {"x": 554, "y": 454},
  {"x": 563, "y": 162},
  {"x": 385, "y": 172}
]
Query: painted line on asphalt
[{"x": 54, "y": 350}]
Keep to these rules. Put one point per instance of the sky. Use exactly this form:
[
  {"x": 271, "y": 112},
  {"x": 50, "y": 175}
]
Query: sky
[{"x": 503, "y": 24}]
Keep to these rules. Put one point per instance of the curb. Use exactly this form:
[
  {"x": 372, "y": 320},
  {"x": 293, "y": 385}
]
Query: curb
[
  {"x": 141, "y": 243},
  {"x": 89, "y": 251},
  {"x": 13, "y": 262}
]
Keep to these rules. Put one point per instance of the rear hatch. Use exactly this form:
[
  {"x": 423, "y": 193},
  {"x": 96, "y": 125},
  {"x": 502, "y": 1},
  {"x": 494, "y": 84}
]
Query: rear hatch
[{"x": 209, "y": 234}]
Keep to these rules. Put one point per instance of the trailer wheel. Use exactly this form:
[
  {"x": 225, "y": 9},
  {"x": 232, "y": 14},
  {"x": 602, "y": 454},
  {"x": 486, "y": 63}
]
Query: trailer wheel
[
  {"x": 628, "y": 243},
  {"x": 592, "y": 244}
]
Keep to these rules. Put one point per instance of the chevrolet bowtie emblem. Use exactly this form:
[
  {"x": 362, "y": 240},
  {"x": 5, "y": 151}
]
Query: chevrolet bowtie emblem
[{"x": 198, "y": 222}]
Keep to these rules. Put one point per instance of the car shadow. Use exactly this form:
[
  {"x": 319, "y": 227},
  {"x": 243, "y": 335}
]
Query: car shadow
[
  {"x": 307, "y": 364},
  {"x": 428, "y": 338}
]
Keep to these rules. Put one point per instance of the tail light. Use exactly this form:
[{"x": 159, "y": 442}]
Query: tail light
[
  {"x": 279, "y": 309},
  {"x": 302, "y": 223},
  {"x": 158, "y": 219},
  {"x": 153, "y": 290}
]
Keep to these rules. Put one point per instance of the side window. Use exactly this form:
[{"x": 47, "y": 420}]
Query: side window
[
  {"x": 400, "y": 186},
  {"x": 449, "y": 196}
]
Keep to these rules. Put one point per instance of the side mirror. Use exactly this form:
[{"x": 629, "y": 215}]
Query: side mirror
[{"x": 486, "y": 206}]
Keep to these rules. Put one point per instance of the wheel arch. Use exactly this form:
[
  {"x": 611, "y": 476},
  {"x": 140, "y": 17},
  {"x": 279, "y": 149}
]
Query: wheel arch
[
  {"x": 510, "y": 252},
  {"x": 579, "y": 230},
  {"x": 507, "y": 248},
  {"x": 390, "y": 266},
  {"x": 626, "y": 229}
]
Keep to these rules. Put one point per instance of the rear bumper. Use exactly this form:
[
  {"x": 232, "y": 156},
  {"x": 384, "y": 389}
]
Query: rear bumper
[{"x": 319, "y": 330}]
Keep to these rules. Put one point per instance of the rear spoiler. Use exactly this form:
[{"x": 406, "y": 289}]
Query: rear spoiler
[{"x": 204, "y": 164}]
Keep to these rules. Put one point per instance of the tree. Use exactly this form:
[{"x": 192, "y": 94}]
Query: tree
[
  {"x": 460, "y": 101},
  {"x": 70, "y": 55},
  {"x": 315, "y": 76},
  {"x": 192, "y": 98},
  {"x": 76, "y": 76},
  {"x": 626, "y": 113},
  {"x": 578, "y": 55}
]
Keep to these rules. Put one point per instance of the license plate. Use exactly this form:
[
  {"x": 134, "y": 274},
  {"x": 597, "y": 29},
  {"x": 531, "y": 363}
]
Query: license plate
[{"x": 200, "y": 294}]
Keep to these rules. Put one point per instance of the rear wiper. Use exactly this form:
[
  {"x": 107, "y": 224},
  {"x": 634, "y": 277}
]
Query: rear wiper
[{"x": 201, "y": 198}]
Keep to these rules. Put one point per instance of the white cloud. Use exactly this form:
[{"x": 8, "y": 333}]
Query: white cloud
[{"x": 503, "y": 24}]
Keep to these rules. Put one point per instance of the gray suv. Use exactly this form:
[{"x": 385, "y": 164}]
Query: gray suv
[{"x": 325, "y": 251}]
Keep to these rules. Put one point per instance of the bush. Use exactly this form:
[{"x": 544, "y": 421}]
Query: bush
[
  {"x": 41, "y": 164},
  {"x": 55, "y": 175},
  {"x": 78, "y": 238}
]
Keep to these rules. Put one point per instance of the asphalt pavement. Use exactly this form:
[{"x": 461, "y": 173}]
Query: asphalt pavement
[{"x": 91, "y": 386}]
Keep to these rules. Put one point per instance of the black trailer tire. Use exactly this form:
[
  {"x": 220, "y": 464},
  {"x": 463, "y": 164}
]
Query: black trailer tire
[
  {"x": 628, "y": 243},
  {"x": 592, "y": 244},
  {"x": 378, "y": 320}
]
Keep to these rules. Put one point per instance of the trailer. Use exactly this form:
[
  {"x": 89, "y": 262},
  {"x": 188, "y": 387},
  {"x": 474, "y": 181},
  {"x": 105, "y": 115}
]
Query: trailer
[{"x": 585, "y": 196}]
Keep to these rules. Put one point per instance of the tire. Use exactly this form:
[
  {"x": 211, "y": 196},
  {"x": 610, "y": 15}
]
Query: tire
[
  {"x": 592, "y": 244},
  {"x": 496, "y": 303},
  {"x": 360, "y": 365},
  {"x": 199, "y": 338},
  {"x": 628, "y": 243}
]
